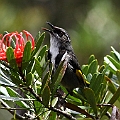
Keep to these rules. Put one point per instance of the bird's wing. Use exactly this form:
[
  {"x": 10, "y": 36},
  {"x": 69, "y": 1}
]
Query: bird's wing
[{"x": 77, "y": 70}]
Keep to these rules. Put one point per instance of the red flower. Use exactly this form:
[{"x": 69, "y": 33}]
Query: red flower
[{"x": 20, "y": 41}]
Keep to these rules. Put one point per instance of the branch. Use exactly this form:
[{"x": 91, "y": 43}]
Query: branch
[
  {"x": 51, "y": 108},
  {"x": 11, "y": 111}
]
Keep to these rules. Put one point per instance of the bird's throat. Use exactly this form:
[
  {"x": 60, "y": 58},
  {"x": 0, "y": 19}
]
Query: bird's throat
[{"x": 54, "y": 49}]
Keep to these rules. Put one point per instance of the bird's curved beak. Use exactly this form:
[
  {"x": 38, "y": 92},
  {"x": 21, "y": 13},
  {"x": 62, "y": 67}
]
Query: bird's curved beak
[{"x": 51, "y": 25}]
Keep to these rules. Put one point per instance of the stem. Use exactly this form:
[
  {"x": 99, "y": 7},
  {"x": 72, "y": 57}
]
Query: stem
[
  {"x": 70, "y": 117},
  {"x": 11, "y": 111}
]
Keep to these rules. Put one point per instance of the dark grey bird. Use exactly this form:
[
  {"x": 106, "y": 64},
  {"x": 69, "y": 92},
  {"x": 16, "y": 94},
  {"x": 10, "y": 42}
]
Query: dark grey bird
[{"x": 60, "y": 44}]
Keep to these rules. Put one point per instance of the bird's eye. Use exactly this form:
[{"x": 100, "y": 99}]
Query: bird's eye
[{"x": 60, "y": 34}]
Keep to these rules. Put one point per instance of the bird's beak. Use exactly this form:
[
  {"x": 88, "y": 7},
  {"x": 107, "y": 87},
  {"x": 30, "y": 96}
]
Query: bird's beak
[{"x": 52, "y": 26}]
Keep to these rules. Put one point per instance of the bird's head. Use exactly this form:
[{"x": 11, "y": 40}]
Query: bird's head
[{"x": 57, "y": 33}]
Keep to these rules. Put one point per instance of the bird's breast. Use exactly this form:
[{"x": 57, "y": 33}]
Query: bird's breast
[{"x": 54, "y": 50}]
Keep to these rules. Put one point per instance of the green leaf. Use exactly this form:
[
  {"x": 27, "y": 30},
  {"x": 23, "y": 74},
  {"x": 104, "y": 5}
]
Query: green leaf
[
  {"x": 39, "y": 42},
  {"x": 112, "y": 101},
  {"x": 57, "y": 77},
  {"x": 10, "y": 54},
  {"x": 114, "y": 62},
  {"x": 116, "y": 53},
  {"x": 37, "y": 37},
  {"x": 101, "y": 69},
  {"x": 37, "y": 106},
  {"x": 54, "y": 101},
  {"x": 46, "y": 96},
  {"x": 93, "y": 67},
  {"x": 11, "y": 58},
  {"x": 27, "y": 52},
  {"x": 6, "y": 82},
  {"x": 112, "y": 54},
  {"x": 53, "y": 116},
  {"x": 3, "y": 97},
  {"x": 13, "y": 93},
  {"x": 118, "y": 75},
  {"x": 15, "y": 80},
  {"x": 38, "y": 68},
  {"x": 45, "y": 82},
  {"x": 99, "y": 93},
  {"x": 93, "y": 80},
  {"x": 91, "y": 58},
  {"x": 57, "y": 74},
  {"x": 90, "y": 96},
  {"x": 85, "y": 69},
  {"x": 43, "y": 51},
  {"x": 97, "y": 82},
  {"x": 110, "y": 64},
  {"x": 30, "y": 66},
  {"x": 29, "y": 79}
]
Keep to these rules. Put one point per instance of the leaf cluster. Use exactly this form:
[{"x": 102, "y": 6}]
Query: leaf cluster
[{"x": 33, "y": 87}]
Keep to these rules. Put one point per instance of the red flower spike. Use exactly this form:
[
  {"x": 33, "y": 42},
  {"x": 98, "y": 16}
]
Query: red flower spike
[
  {"x": 20, "y": 41},
  {"x": 29, "y": 35}
]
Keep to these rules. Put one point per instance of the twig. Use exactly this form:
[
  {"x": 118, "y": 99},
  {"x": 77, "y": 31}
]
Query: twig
[
  {"x": 11, "y": 111},
  {"x": 70, "y": 117}
]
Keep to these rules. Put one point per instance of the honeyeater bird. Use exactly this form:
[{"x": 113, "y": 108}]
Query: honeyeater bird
[{"x": 60, "y": 44}]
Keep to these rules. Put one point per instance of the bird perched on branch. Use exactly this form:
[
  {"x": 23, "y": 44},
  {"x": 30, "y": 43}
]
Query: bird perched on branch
[{"x": 60, "y": 44}]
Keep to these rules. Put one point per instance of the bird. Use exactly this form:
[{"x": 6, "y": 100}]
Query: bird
[{"x": 60, "y": 44}]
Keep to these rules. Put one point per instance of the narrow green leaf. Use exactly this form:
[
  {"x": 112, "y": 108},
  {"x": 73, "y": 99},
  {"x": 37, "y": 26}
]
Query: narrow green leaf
[
  {"x": 13, "y": 93},
  {"x": 114, "y": 62},
  {"x": 37, "y": 106},
  {"x": 37, "y": 37},
  {"x": 10, "y": 54},
  {"x": 27, "y": 52},
  {"x": 30, "y": 66},
  {"x": 15, "y": 80},
  {"x": 57, "y": 73},
  {"x": 45, "y": 82},
  {"x": 89, "y": 77},
  {"x": 43, "y": 51},
  {"x": 110, "y": 65},
  {"x": 112, "y": 101},
  {"x": 91, "y": 58},
  {"x": 101, "y": 69},
  {"x": 46, "y": 96},
  {"x": 29, "y": 79},
  {"x": 97, "y": 82},
  {"x": 11, "y": 59},
  {"x": 54, "y": 101},
  {"x": 53, "y": 116},
  {"x": 90, "y": 96},
  {"x": 113, "y": 55},
  {"x": 93, "y": 80},
  {"x": 39, "y": 42},
  {"x": 3, "y": 97},
  {"x": 112, "y": 88},
  {"x": 38, "y": 68},
  {"x": 98, "y": 94},
  {"x": 118, "y": 75},
  {"x": 6, "y": 82},
  {"x": 85, "y": 69},
  {"x": 116, "y": 53},
  {"x": 93, "y": 67}
]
